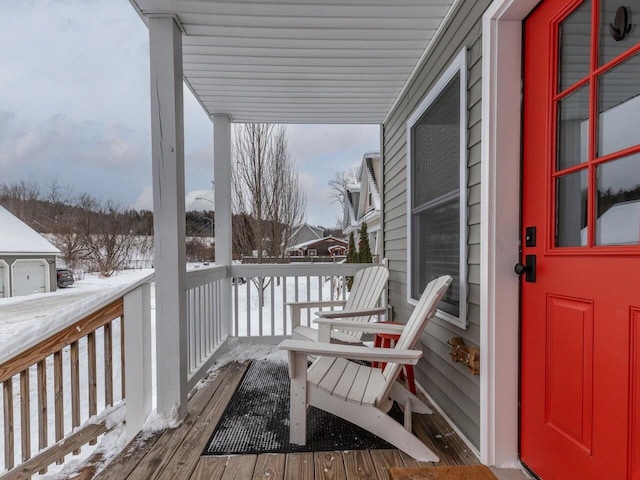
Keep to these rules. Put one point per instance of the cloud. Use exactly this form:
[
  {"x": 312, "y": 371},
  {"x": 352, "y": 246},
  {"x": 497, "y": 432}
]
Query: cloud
[
  {"x": 202, "y": 200},
  {"x": 144, "y": 200}
]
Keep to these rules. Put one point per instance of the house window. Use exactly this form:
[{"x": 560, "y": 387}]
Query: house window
[
  {"x": 437, "y": 204},
  {"x": 312, "y": 252}
]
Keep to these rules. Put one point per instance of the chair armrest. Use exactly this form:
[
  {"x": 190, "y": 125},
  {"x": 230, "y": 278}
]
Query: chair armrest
[
  {"x": 352, "y": 313},
  {"x": 368, "y": 327},
  {"x": 355, "y": 352},
  {"x": 296, "y": 307}
]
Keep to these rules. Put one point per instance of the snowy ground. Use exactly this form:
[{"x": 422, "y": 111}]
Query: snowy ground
[{"x": 23, "y": 318}]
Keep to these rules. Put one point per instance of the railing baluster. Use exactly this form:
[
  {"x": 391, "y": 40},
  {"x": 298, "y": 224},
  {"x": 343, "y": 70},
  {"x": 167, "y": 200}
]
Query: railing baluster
[
  {"x": 58, "y": 393},
  {"x": 42, "y": 408},
  {"x": 108, "y": 365},
  {"x": 75, "y": 388},
  {"x": 189, "y": 330},
  {"x": 208, "y": 317},
  {"x": 25, "y": 416},
  {"x": 248, "y": 307},
  {"x": 236, "y": 314},
  {"x": 123, "y": 390},
  {"x": 285, "y": 330},
  {"x": 9, "y": 452},
  {"x": 308, "y": 299},
  {"x": 203, "y": 323},
  {"x": 92, "y": 374},
  {"x": 260, "y": 303},
  {"x": 273, "y": 313}
]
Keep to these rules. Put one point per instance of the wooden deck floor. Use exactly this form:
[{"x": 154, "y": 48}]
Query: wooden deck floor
[{"x": 175, "y": 454}]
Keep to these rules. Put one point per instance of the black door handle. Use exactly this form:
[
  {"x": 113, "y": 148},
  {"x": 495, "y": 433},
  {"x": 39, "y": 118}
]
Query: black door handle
[{"x": 528, "y": 269}]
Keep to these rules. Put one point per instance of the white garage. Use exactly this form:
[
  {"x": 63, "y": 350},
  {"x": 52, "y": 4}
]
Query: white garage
[{"x": 27, "y": 259}]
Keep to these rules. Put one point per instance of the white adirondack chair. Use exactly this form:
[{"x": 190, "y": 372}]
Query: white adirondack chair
[
  {"x": 361, "y": 304},
  {"x": 361, "y": 394}
]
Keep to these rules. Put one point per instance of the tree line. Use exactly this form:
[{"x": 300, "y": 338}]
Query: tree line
[{"x": 92, "y": 234}]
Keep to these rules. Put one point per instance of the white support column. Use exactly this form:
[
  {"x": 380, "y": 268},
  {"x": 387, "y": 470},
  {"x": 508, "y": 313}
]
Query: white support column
[
  {"x": 223, "y": 214},
  {"x": 137, "y": 354},
  {"x": 167, "y": 130}
]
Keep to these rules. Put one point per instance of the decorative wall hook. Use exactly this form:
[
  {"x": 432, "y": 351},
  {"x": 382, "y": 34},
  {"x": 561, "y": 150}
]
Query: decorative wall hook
[
  {"x": 460, "y": 352},
  {"x": 621, "y": 25}
]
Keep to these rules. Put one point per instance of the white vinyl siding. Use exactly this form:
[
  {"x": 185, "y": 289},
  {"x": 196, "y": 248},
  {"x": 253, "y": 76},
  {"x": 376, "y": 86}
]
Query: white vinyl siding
[{"x": 449, "y": 384}]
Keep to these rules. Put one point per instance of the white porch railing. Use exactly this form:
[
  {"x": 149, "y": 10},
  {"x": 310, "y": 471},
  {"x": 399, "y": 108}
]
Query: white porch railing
[
  {"x": 260, "y": 303},
  {"x": 259, "y": 297},
  {"x": 66, "y": 387},
  {"x": 206, "y": 327}
]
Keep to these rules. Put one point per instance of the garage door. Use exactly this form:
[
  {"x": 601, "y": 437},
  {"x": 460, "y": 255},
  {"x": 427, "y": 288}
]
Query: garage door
[{"x": 29, "y": 276}]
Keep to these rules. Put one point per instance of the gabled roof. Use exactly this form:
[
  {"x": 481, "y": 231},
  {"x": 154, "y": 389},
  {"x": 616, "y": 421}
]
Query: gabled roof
[
  {"x": 301, "y": 61},
  {"x": 317, "y": 231},
  {"x": 310, "y": 243},
  {"x": 18, "y": 238}
]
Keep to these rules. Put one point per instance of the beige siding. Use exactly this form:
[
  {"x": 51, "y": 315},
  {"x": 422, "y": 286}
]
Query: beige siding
[{"x": 454, "y": 389}]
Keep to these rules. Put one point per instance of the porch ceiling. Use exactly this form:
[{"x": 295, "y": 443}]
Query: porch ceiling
[{"x": 301, "y": 61}]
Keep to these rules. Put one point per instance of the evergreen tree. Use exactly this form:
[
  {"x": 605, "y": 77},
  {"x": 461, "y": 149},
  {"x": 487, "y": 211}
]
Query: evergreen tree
[
  {"x": 364, "y": 254},
  {"x": 352, "y": 257}
]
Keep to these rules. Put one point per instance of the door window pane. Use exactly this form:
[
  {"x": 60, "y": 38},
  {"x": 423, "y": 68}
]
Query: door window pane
[
  {"x": 618, "y": 205},
  {"x": 573, "y": 129},
  {"x": 619, "y": 107},
  {"x": 574, "y": 45},
  {"x": 571, "y": 210},
  {"x": 609, "y": 48}
]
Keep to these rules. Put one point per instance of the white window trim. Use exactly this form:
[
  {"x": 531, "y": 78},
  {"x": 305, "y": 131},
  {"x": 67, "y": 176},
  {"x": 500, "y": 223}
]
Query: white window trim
[{"x": 458, "y": 65}]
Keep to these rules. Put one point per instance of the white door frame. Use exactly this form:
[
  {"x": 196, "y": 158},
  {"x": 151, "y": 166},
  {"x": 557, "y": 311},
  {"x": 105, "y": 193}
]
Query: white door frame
[
  {"x": 5, "y": 278},
  {"x": 500, "y": 230}
]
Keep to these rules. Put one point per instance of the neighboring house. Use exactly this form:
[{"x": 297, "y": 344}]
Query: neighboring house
[
  {"x": 363, "y": 203},
  {"x": 494, "y": 114},
  {"x": 304, "y": 233},
  {"x": 27, "y": 259},
  {"x": 321, "y": 247}
]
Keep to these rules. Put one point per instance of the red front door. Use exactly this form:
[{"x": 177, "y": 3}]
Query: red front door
[{"x": 580, "y": 390}]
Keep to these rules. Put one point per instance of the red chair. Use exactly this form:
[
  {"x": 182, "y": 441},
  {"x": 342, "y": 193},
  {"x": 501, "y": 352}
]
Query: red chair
[{"x": 388, "y": 340}]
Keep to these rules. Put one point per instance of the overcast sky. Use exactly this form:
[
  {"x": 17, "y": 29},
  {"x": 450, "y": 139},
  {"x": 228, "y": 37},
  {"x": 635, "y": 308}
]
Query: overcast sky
[{"x": 74, "y": 108}]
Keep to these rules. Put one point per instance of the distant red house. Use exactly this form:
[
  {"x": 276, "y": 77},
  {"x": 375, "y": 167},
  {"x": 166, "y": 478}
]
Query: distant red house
[{"x": 322, "y": 247}]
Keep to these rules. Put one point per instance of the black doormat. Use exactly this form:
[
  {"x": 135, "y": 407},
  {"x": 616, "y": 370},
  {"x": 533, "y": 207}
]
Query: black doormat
[{"x": 257, "y": 420}]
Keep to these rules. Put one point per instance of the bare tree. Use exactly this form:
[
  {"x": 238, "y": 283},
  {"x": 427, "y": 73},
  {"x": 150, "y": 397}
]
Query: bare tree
[
  {"x": 268, "y": 198},
  {"x": 22, "y": 199},
  {"x": 107, "y": 236},
  {"x": 339, "y": 185},
  {"x": 63, "y": 214}
]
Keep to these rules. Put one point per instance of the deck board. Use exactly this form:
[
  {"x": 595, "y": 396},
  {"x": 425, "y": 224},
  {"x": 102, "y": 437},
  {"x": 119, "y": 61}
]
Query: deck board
[
  {"x": 299, "y": 466},
  {"x": 358, "y": 465},
  {"x": 175, "y": 453}
]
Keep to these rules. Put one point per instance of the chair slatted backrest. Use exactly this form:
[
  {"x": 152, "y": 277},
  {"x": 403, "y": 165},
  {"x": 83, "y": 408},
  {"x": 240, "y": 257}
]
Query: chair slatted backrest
[
  {"x": 424, "y": 311},
  {"x": 366, "y": 290}
]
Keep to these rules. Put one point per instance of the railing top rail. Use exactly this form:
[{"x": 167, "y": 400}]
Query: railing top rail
[
  {"x": 60, "y": 320},
  {"x": 297, "y": 269},
  {"x": 198, "y": 276}
]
